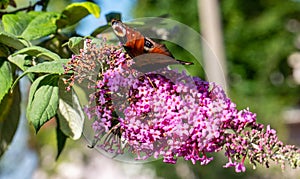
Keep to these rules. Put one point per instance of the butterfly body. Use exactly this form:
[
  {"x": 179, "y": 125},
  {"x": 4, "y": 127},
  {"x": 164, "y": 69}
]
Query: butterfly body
[{"x": 136, "y": 44}]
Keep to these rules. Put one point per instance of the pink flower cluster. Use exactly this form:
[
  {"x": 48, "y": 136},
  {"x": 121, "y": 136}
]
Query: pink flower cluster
[{"x": 170, "y": 114}]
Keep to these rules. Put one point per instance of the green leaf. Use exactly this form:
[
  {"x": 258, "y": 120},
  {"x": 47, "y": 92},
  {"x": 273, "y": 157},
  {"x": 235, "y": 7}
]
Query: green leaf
[
  {"x": 70, "y": 114},
  {"x": 17, "y": 23},
  {"x": 41, "y": 26},
  {"x": 61, "y": 139},
  {"x": 12, "y": 41},
  {"x": 75, "y": 44},
  {"x": 53, "y": 67},
  {"x": 32, "y": 25},
  {"x": 6, "y": 77},
  {"x": 4, "y": 51},
  {"x": 19, "y": 61},
  {"x": 76, "y": 11},
  {"x": 9, "y": 118},
  {"x": 113, "y": 15},
  {"x": 38, "y": 51},
  {"x": 99, "y": 30},
  {"x": 43, "y": 100}
]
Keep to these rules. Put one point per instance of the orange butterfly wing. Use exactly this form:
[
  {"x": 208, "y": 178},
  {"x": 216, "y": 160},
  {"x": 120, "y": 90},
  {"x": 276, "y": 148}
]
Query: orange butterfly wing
[{"x": 136, "y": 45}]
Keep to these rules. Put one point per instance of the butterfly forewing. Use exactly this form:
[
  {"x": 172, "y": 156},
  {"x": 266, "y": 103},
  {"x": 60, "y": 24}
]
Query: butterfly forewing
[{"x": 136, "y": 44}]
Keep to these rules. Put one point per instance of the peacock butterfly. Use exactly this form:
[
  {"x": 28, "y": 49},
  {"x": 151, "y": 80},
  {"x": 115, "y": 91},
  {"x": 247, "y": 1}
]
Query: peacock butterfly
[{"x": 147, "y": 53}]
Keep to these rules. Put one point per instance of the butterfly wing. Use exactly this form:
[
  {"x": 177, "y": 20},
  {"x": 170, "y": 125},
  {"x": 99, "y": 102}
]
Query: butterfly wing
[
  {"x": 132, "y": 40},
  {"x": 136, "y": 44}
]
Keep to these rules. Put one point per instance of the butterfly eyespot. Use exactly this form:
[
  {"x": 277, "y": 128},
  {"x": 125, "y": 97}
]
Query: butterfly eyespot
[
  {"x": 118, "y": 28},
  {"x": 148, "y": 44}
]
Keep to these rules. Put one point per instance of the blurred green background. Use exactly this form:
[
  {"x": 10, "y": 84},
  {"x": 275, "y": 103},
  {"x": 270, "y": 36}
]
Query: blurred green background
[{"x": 259, "y": 35}]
